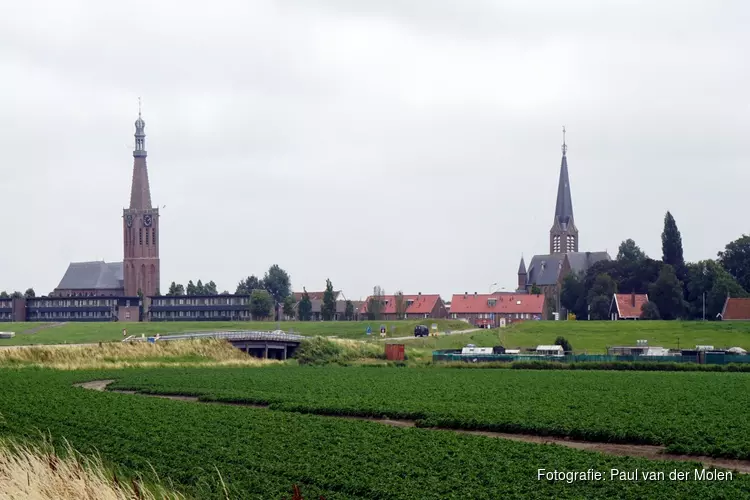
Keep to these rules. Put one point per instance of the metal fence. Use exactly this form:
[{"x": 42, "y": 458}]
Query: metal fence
[
  {"x": 709, "y": 359},
  {"x": 236, "y": 335}
]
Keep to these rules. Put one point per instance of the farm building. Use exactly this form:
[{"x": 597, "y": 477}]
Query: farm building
[
  {"x": 627, "y": 305},
  {"x": 550, "y": 350}
]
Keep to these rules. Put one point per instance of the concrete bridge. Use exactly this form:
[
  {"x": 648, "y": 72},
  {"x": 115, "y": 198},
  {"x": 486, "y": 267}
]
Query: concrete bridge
[{"x": 273, "y": 345}]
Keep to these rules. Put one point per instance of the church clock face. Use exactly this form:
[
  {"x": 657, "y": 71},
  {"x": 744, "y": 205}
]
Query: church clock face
[
  {"x": 129, "y": 220},
  {"x": 147, "y": 220}
]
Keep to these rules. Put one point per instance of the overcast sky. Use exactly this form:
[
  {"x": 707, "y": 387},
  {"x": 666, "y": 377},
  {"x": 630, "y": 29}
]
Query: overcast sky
[{"x": 409, "y": 144}]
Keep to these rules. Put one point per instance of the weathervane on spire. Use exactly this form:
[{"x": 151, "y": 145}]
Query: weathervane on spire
[
  {"x": 139, "y": 109},
  {"x": 564, "y": 146}
]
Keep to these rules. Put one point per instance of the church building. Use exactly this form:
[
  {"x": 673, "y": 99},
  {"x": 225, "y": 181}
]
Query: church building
[
  {"x": 138, "y": 273},
  {"x": 547, "y": 271}
]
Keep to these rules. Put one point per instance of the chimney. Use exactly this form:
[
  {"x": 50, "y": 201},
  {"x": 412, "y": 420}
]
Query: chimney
[
  {"x": 419, "y": 293},
  {"x": 465, "y": 294},
  {"x": 632, "y": 299},
  {"x": 475, "y": 294}
]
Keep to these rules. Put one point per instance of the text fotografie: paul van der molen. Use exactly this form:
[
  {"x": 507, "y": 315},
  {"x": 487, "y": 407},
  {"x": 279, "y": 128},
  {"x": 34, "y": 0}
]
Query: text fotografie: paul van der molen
[{"x": 634, "y": 475}]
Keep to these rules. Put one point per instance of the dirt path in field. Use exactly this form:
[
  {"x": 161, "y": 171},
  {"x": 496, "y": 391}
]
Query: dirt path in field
[{"x": 627, "y": 450}]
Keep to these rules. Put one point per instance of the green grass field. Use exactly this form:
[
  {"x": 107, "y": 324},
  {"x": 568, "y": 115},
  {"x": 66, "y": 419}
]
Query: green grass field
[
  {"x": 81, "y": 333},
  {"x": 221, "y": 451},
  {"x": 596, "y": 336}
]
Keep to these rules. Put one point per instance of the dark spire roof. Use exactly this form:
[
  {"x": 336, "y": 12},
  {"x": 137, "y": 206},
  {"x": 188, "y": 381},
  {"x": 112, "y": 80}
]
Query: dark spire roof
[
  {"x": 140, "y": 192},
  {"x": 564, "y": 206},
  {"x": 522, "y": 267}
]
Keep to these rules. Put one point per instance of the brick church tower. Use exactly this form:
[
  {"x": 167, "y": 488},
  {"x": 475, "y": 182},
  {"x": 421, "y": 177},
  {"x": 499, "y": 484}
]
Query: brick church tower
[
  {"x": 563, "y": 236},
  {"x": 140, "y": 226}
]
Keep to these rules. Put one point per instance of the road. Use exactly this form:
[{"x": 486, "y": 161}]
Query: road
[{"x": 456, "y": 332}]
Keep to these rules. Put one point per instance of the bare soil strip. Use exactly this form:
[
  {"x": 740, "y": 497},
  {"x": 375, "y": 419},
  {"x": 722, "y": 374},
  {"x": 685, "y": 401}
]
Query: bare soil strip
[{"x": 629, "y": 450}]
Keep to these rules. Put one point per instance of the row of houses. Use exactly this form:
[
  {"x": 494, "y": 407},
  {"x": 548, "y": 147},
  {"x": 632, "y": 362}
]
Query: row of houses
[{"x": 481, "y": 310}]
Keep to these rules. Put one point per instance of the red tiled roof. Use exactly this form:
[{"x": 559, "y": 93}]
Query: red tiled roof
[
  {"x": 629, "y": 305},
  {"x": 736, "y": 308},
  {"x": 420, "y": 304},
  {"x": 504, "y": 303}
]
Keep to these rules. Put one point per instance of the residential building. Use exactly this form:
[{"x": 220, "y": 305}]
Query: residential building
[
  {"x": 225, "y": 307},
  {"x": 496, "y": 309},
  {"x": 627, "y": 305},
  {"x": 316, "y": 300},
  {"x": 74, "y": 308},
  {"x": 417, "y": 306}
]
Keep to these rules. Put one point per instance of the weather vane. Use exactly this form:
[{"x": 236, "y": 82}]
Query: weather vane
[
  {"x": 139, "y": 109},
  {"x": 564, "y": 146}
]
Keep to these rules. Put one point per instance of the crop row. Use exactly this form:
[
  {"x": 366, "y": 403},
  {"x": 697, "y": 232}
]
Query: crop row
[
  {"x": 261, "y": 454},
  {"x": 692, "y": 413}
]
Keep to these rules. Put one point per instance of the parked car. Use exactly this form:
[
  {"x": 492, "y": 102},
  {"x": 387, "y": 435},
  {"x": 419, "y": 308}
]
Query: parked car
[{"x": 421, "y": 331}]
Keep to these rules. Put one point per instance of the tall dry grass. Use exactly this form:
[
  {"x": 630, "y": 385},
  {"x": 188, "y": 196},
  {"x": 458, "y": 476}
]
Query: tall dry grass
[
  {"x": 200, "y": 352},
  {"x": 37, "y": 472}
]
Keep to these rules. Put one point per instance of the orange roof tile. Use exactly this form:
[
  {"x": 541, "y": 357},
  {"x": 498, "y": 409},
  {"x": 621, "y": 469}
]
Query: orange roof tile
[
  {"x": 736, "y": 308},
  {"x": 629, "y": 305},
  {"x": 498, "y": 303},
  {"x": 420, "y": 303}
]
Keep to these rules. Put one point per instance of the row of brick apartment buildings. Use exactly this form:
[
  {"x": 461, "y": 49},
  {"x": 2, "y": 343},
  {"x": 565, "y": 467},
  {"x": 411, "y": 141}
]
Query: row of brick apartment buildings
[{"x": 483, "y": 310}]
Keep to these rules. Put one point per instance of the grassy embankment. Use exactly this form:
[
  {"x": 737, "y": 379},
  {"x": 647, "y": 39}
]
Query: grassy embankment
[
  {"x": 594, "y": 337},
  {"x": 81, "y": 333},
  {"x": 203, "y": 352}
]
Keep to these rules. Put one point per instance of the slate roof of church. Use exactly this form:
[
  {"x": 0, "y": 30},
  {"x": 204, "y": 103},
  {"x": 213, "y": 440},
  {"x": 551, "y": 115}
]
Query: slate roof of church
[{"x": 97, "y": 275}]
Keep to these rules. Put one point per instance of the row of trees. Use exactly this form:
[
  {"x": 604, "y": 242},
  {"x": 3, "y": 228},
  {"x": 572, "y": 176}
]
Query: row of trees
[
  {"x": 676, "y": 289},
  {"x": 29, "y": 294},
  {"x": 177, "y": 289}
]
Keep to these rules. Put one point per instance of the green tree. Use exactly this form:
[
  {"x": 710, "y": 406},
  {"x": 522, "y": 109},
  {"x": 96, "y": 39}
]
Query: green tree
[
  {"x": 671, "y": 243},
  {"x": 349, "y": 311},
  {"x": 649, "y": 311},
  {"x": 4, "y": 295},
  {"x": 278, "y": 284},
  {"x": 246, "y": 286},
  {"x": 140, "y": 294},
  {"x": 535, "y": 290},
  {"x": 562, "y": 341},
  {"x": 30, "y": 294},
  {"x": 573, "y": 295},
  {"x": 709, "y": 280},
  {"x": 16, "y": 295},
  {"x": 175, "y": 290},
  {"x": 666, "y": 293},
  {"x": 289, "y": 304},
  {"x": 375, "y": 304},
  {"x": 304, "y": 308},
  {"x": 191, "y": 288},
  {"x": 735, "y": 258},
  {"x": 261, "y": 304},
  {"x": 400, "y": 304},
  {"x": 157, "y": 293},
  {"x": 199, "y": 288},
  {"x": 600, "y": 295},
  {"x": 630, "y": 253},
  {"x": 328, "y": 309},
  {"x": 210, "y": 288}
]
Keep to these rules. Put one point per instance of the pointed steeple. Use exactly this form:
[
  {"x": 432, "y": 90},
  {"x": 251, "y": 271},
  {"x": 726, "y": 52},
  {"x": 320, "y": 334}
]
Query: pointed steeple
[
  {"x": 564, "y": 206},
  {"x": 140, "y": 192},
  {"x": 563, "y": 234},
  {"x": 522, "y": 267}
]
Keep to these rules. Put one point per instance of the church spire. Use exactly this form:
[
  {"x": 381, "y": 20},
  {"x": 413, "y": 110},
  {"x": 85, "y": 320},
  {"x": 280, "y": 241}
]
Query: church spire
[
  {"x": 564, "y": 206},
  {"x": 140, "y": 193},
  {"x": 563, "y": 234}
]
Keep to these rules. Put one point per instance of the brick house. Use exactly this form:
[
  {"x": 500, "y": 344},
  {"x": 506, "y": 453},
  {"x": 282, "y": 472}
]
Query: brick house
[
  {"x": 497, "y": 309},
  {"x": 415, "y": 307},
  {"x": 627, "y": 305},
  {"x": 736, "y": 309}
]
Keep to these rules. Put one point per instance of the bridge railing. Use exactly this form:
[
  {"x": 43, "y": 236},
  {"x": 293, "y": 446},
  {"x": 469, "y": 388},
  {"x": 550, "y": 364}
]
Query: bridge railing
[{"x": 235, "y": 335}]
